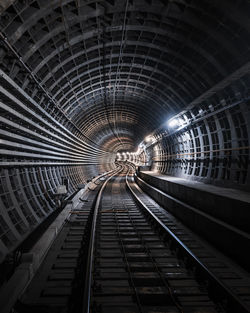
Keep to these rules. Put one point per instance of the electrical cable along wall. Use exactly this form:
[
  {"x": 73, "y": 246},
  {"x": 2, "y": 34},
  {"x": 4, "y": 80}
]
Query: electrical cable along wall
[
  {"x": 37, "y": 151},
  {"x": 83, "y": 80},
  {"x": 211, "y": 146}
]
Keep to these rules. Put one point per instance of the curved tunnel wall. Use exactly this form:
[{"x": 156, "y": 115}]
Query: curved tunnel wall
[
  {"x": 211, "y": 146},
  {"x": 83, "y": 80},
  {"x": 36, "y": 153}
]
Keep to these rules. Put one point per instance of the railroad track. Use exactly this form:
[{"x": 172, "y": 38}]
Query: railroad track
[
  {"x": 116, "y": 255},
  {"x": 227, "y": 284},
  {"x": 58, "y": 284}
]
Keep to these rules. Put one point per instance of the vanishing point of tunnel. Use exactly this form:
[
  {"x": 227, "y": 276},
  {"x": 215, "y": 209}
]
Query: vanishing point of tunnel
[{"x": 124, "y": 156}]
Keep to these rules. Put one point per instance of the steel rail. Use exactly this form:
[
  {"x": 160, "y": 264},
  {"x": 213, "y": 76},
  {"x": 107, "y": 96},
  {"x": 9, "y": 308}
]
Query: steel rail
[
  {"x": 89, "y": 267},
  {"x": 218, "y": 291},
  {"x": 23, "y": 275}
]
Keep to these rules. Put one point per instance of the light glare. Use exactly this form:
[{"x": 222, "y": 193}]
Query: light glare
[
  {"x": 148, "y": 138},
  {"x": 173, "y": 123}
]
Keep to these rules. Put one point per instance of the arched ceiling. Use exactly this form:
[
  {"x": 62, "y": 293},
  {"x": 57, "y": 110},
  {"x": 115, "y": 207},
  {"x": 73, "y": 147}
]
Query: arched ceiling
[{"x": 119, "y": 68}]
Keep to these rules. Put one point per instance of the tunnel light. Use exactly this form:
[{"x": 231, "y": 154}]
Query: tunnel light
[
  {"x": 176, "y": 122},
  {"x": 148, "y": 138},
  {"x": 141, "y": 146},
  {"x": 173, "y": 123}
]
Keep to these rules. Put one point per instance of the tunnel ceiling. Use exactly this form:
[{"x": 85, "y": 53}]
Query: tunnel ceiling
[{"x": 117, "y": 69}]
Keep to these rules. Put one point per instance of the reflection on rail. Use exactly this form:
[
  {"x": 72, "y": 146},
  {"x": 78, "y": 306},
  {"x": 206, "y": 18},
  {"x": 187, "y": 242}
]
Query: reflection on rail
[{"x": 116, "y": 255}]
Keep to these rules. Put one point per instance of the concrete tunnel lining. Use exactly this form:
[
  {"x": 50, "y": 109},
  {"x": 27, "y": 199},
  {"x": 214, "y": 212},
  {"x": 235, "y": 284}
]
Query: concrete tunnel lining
[{"x": 84, "y": 80}]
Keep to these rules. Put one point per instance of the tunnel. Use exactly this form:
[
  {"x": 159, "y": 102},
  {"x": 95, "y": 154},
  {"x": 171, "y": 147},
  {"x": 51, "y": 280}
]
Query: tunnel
[{"x": 125, "y": 104}]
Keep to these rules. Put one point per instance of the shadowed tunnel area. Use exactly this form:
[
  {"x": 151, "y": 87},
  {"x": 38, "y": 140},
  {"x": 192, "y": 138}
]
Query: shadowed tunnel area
[{"x": 163, "y": 84}]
